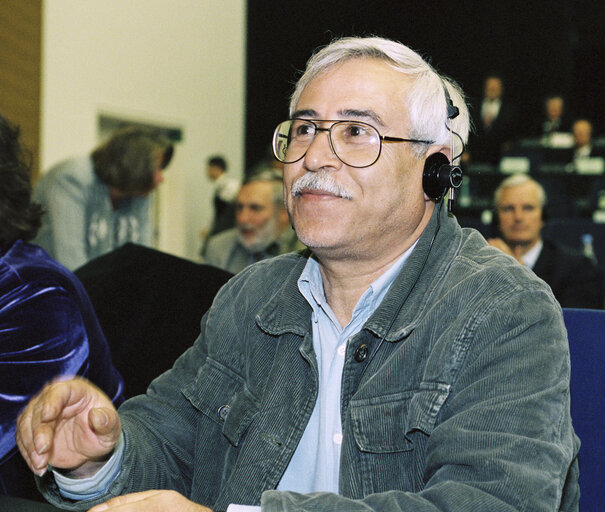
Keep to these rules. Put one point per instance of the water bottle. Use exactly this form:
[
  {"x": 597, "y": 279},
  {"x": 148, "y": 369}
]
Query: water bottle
[{"x": 587, "y": 246}]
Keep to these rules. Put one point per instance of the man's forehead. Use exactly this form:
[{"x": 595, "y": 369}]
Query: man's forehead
[
  {"x": 256, "y": 192},
  {"x": 357, "y": 88},
  {"x": 523, "y": 193}
]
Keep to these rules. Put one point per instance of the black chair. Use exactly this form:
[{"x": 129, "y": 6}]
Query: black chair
[{"x": 149, "y": 304}]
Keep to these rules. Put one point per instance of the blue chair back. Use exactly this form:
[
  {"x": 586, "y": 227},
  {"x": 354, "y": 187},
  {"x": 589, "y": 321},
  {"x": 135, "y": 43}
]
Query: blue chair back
[{"x": 586, "y": 333}]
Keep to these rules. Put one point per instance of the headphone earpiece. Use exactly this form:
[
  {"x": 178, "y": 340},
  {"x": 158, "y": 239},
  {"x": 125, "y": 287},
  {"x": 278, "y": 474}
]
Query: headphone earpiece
[{"x": 438, "y": 176}]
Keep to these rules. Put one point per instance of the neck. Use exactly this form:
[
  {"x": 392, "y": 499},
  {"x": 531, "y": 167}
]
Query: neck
[
  {"x": 345, "y": 279},
  {"x": 344, "y": 285},
  {"x": 522, "y": 248}
]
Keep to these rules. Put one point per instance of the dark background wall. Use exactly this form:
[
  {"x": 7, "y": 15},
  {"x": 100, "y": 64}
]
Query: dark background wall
[{"x": 538, "y": 46}]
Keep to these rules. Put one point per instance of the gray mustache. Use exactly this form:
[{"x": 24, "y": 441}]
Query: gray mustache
[{"x": 321, "y": 181}]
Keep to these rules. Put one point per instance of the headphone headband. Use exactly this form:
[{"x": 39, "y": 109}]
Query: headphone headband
[
  {"x": 452, "y": 110},
  {"x": 439, "y": 174}
]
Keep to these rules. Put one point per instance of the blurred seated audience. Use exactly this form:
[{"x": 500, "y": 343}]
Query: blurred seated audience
[
  {"x": 573, "y": 278},
  {"x": 150, "y": 305},
  {"x": 582, "y": 135},
  {"x": 495, "y": 121},
  {"x": 97, "y": 202},
  {"x": 262, "y": 229},
  {"x": 48, "y": 326},
  {"x": 555, "y": 118}
]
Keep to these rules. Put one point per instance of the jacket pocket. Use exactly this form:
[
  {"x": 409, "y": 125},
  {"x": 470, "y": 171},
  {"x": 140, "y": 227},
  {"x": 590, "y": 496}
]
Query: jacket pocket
[
  {"x": 223, "y": 398},
  {"x": 384, "y": 424}
]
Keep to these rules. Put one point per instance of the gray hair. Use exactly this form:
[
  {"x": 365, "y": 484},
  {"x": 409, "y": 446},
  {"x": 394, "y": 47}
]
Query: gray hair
[
  {"x": 270, "y": 176},
  {"x": 514, "y": 181},
  {"x": 426, "y": 101}
]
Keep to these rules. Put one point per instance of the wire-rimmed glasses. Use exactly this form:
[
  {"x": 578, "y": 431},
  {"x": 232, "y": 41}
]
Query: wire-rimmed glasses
[{"x": 355, "y": 143}]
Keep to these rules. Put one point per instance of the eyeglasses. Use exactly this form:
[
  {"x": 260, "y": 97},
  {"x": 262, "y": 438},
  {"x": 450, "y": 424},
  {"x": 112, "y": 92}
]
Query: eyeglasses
[{"x": 354, "y": 143}]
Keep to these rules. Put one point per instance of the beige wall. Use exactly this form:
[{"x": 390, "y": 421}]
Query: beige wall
[
  {"x": 179, "y": 63},
  {"x": 20, "y": 69}
]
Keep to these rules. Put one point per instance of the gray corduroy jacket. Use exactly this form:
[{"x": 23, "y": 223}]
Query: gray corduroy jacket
[{"x": 464, "y": 407}]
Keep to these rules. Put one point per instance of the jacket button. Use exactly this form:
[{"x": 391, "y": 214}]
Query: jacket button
[
  {"x": 223, "y": 412},
  {"x": 361, "y": 353}
]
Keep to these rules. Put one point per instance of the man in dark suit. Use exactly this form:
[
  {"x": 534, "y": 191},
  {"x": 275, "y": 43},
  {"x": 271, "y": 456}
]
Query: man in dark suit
[
  {"x": 574, "y": 278},
  {"x": 495, "y": 120}
]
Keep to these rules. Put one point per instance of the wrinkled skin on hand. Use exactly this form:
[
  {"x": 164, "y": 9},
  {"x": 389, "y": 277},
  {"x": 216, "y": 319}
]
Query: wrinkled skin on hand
[
  {"x": 70, "y": 425},
  {"x": 150, "y": 501}
]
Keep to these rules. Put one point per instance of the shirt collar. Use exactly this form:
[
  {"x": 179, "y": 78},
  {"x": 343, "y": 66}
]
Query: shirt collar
[
  {"x": 310, "y": 285},
  {"x": 530, "y": 257}
]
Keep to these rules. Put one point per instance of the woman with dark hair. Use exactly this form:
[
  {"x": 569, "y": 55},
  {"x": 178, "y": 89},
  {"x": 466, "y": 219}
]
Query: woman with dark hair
[
  {"x": 48, "y": 327},
  {"x": 100, "y": 201}
]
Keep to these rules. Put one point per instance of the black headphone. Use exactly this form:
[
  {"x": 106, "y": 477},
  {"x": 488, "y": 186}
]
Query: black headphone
[{"x": 439, "y": 174}]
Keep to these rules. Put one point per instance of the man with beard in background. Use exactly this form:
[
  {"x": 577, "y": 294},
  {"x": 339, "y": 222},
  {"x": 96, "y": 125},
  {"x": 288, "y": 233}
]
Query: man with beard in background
[{"x": 262, "y": 226}]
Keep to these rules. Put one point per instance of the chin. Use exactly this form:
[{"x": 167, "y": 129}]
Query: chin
[{"x": 324, "y": 241}]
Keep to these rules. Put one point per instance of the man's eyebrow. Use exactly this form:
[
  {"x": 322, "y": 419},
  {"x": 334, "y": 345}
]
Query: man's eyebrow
[
  {"x": 350, "y": 113},
  {"x": 304, "y": 113},
  {"x": 364, "y": 114}
]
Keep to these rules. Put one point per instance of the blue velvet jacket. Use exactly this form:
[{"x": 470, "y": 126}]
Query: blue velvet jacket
[{"x": 48, "y": 328}]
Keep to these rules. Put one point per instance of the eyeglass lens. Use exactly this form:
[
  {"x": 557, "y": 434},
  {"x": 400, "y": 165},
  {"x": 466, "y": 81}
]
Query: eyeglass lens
[{"x": 354, "y": 143}]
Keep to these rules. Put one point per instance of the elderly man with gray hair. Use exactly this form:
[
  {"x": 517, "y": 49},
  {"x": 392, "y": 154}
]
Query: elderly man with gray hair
[
  {"x": 400, "y": 364},
  {"x": 574, "y": 279}
]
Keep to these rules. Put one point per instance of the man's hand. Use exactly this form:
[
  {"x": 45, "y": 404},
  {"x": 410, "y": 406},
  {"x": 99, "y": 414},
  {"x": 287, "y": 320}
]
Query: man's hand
[
  {"x": 70, "y": 425},
  {"x": 150, "y": 501}
]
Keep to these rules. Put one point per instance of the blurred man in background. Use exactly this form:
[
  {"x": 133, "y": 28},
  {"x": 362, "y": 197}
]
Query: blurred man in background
[
  {"x": 262, "y": 226},
  {"x": 574, "y": 278}
]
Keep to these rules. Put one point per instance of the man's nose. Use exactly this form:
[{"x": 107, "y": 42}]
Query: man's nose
[
  {"x": 243, "y": 216},
  {"x": 320, "y": 153}
]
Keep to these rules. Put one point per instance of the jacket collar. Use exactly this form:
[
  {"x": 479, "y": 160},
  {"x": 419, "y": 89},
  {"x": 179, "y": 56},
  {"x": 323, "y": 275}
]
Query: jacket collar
[{"x": 288, "y": 311}]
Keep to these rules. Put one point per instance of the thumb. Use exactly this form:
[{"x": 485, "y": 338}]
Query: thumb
[{"x": 105, "y": 422}]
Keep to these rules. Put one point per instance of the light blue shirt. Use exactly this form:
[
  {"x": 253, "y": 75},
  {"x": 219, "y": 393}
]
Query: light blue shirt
[{"x": 315, "y": 464}]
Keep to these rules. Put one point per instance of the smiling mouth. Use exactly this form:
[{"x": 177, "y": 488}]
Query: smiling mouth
[{"x": 317, "y": 192}]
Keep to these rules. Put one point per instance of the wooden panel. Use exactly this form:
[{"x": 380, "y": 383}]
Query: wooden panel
[{"x": 20, "y": 63}]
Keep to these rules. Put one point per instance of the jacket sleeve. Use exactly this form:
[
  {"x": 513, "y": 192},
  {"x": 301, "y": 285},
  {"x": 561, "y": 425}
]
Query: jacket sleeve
[
  {"x": 503, "y": 438},
  {"x": 43, "y": 337}
]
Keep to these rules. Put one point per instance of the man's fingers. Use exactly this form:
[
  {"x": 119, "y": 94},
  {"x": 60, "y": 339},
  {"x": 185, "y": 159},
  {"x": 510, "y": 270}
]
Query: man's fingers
[
  {"x": 105, "y": 423},
  {"x": 121, "y": 501},
  {"x": 150, "y": 501},
  {"x": 43, "y": 434},
  {"x": 26, "y": 451},
  {"x": 102, "y": 420},
  {"x": 57, "y": 406},
  {"x": 33, "y": 445}
]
